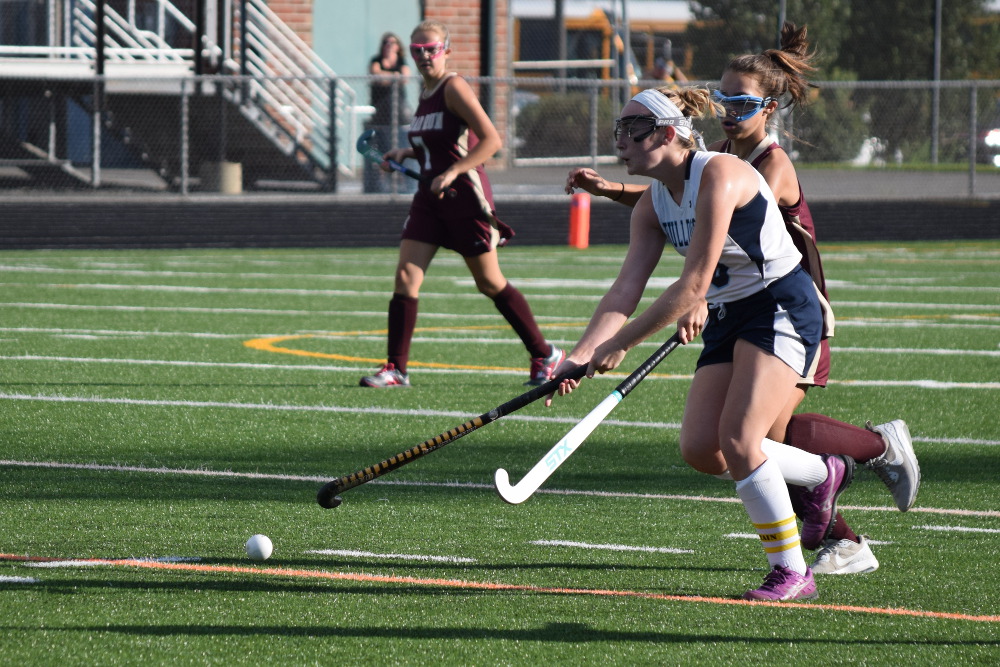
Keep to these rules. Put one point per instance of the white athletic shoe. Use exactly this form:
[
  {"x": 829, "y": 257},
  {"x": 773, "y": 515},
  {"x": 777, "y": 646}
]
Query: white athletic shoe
[
  {"x": 897, "y": 467},
  {"x": 389, "y": 376},
  {"x": 845, "y": 557},
  {"x": 543, "y": 367}
]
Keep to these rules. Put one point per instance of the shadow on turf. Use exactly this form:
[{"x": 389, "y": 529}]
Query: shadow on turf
[
  {"x": 480, "y": 567},
  {"x": 176, "y": 385},
  {"x": 554, "y": 632},
  {"x": 275, "y": 585}
]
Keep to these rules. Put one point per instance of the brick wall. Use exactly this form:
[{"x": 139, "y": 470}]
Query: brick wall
[
  {"x": 297, "y": 15},
  {"x": 463, "y": 19}
]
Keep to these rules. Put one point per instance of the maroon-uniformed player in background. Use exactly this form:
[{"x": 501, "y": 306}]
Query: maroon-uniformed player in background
[{"x": 451, "y": 137}]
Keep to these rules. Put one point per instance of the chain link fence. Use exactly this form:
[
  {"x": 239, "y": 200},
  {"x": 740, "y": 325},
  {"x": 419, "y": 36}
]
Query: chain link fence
[
  {"x": 911, "y": 123},
  {"x": 208, "y": 134}
]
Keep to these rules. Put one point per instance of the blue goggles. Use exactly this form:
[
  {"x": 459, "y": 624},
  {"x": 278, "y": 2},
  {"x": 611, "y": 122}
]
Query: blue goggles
[{"x": 740, "y": 107}]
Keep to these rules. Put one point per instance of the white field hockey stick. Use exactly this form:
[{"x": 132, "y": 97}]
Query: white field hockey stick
[
  {"x": 571, "y": 441},
  {"x": 327, "y": 496}
]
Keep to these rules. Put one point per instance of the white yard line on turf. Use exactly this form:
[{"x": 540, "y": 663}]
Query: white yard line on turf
[
  {"x": 91, "y": 563},
  {"x": 755, "y": 537},
  {"x": 469, "y": 339},
  {"x": 284, "y": 291},
  {"x": 957, "y": 529},
  {"x": 315, "y": 408},
  {"x": 922, "y": 384},
  {"x": 610, "y": 547},
  {"x": 955, "y": 321},
  {"x": 465, "y": 294},
  {"x": 369, "y": 554},
  {"x": 134, "y": 334},
  {"x": 261, "y": 311},
  {"x": 455, "y": 485},
  {"x": 350, "y": 278},
  {"x": 922, "y": 305},
  {"x": 51, "y": 564},
  {"x": 389, "y": 411},
  {"x": 660, "y": 282},
  {"x": 400, "y": 412}
]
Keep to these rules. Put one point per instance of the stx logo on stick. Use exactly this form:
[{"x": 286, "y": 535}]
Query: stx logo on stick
[{"x": 558, "y": 454}]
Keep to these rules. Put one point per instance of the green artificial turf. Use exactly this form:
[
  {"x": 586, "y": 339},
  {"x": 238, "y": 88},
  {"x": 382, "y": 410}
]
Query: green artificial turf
[{"x": 157, "y": 408}]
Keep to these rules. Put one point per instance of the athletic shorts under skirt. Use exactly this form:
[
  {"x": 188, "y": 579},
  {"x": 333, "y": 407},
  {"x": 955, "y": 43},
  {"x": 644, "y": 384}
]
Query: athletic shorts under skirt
[
  {"x": 463, "y": 223},
  {"x": 784, "y": 319}
]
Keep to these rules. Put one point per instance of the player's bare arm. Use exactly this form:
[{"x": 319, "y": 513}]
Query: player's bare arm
[
  {"x": 726, "y": 185},
  {"x": 778, "y": 171},
  {"x": 464, "y": 104}
]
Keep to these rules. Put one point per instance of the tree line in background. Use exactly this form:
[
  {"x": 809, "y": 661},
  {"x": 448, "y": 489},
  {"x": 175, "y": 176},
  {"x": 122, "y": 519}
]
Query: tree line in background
[{"x": 866, "y": 40}]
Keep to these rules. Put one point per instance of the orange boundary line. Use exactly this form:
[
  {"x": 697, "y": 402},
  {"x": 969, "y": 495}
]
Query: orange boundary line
[{"x": 487, "y": 586}]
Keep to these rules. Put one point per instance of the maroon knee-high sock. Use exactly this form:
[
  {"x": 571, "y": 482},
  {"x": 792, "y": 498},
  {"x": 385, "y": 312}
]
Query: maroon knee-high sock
[
  {"x": 841, "y": 531},
  {"x": 820, "y": 434},
  {"x": 515, "y": 309},
  {"x": 402, "y": 322}
]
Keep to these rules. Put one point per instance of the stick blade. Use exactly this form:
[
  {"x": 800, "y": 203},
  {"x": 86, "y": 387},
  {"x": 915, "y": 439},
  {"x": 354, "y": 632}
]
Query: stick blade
[
  {"x": 327, "y": 496},
  {"x": 362, "y": 143},
  {"x": 508, "y": 493}
]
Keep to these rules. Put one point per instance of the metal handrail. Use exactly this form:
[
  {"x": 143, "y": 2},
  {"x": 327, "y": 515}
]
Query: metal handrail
[
  {"x": 290, "y": 100},
  {"x": 290, "y": 94}
]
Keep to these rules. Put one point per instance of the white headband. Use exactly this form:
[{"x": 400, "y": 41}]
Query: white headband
[{"x": 664, "y": 110}]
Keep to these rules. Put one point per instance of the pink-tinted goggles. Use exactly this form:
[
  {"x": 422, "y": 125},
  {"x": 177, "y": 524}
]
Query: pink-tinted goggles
[{"x": 432, "y": 49}]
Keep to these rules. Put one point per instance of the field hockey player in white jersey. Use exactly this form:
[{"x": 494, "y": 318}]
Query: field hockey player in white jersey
[
  {"x": 762, "y": 334},
  {"x": 749, "y": 92}
]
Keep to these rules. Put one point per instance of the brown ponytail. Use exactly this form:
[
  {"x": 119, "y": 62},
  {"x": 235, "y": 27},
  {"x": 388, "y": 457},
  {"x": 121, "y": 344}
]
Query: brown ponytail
[{"x": 781, "y": 71}]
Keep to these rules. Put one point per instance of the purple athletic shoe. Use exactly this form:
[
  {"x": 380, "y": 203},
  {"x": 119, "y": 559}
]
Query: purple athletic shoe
[
  {"x": 819, "y": 507},
  {"x": 784, "y": 584}
]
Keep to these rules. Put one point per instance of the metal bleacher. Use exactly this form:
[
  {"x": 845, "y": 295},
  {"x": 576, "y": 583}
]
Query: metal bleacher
[{"x": 253, "y": 93}]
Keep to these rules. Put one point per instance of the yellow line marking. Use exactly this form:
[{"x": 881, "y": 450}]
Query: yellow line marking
[{"x": 276, "y": 344}]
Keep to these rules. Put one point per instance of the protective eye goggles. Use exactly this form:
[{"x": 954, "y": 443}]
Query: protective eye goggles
[
  {"x": 432, "y": 50},
  {"x": 643, "y": 126},
  {"x": 740, "y": 107}
]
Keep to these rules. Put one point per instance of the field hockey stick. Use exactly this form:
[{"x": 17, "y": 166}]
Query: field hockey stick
[
  {"x": 372, "y": 155},
  {"x": 561, "y": 451},
  {"x": 328, "y": 495}
]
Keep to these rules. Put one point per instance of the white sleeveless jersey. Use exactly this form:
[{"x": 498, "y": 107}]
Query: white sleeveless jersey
[{"x": 758, "y": 248}]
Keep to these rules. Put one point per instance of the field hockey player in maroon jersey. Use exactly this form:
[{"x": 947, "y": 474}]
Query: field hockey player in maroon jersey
[{"x": 451, "y": 137}]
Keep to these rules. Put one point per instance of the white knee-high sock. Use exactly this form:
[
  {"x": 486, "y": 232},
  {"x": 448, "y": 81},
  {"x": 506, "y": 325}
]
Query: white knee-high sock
[
  {"x": 797, "y": 466},
  {"x": 765, "y": 498}
]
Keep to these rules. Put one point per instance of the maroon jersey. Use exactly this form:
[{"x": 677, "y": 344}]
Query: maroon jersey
[
  {"x": 440, "y": 139},
  {"x": 466, "y": 223},
  {"x": 798, "y": 219}
]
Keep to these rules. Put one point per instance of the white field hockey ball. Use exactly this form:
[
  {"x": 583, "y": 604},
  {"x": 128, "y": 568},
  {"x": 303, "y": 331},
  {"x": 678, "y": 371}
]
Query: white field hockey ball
[{"x": 259, "y": 547}]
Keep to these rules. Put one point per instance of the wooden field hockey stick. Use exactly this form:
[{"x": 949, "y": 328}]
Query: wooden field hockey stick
[
  {"x": 372, "y": 155},
  {"x": 328, "y": 495},
  {"x": 571, "y": 441}
]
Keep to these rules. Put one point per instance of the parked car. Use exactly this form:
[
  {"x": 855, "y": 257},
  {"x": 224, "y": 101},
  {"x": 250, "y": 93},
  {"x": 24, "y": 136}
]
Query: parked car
[{"x": 988, "y": 150}]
